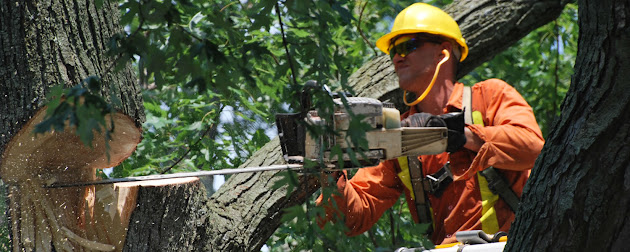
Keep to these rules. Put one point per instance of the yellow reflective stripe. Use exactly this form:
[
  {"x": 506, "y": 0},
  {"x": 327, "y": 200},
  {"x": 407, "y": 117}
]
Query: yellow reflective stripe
[
  {"x": 477, "y": 118},
  {"x": 489, "y": 222},
  {"x": 404, "y": 175}
]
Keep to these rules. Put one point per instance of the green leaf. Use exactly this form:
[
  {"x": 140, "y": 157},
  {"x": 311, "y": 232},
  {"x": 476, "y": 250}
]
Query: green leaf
[
  {"x": 93, "y": 84},
  {"x": 196, "y": 126},
  {"x": 301, "y": 33},
  {"x": 293, "y": 212}
]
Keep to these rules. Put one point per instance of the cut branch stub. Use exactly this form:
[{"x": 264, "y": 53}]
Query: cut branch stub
[
  {"x": 68, "y": 219},
  {"x": 61, "y": 156}
]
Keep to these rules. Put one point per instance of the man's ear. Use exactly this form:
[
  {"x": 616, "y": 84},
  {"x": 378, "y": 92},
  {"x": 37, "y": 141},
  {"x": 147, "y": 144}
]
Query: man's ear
[
  {"x": 446, "y": 46},
  {"x": 453, "y": 48}
]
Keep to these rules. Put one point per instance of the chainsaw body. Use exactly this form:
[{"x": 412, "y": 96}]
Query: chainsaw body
[{"x": 386, "y": 139}]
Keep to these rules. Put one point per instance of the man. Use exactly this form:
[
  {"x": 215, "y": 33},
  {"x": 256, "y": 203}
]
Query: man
[{"x": 425, "y": 46}]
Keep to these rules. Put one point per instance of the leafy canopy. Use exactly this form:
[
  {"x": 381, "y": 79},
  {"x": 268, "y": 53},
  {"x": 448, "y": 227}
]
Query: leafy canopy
[{"x": 217, "y": 72}]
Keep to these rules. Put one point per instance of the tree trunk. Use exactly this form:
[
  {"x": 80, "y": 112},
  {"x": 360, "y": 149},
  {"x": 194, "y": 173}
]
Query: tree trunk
[
  {"x": 169, "y": 216},
  {"x": 577, "y": 196},
  {"x": 488, "y": 26},
  {"x": 48, "y": 43},
  {"x": 246, "y": 210},
  {"x": 44, "y": 44}
]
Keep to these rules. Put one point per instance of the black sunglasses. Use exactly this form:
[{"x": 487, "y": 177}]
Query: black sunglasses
[{"x": 405, "y": 48}]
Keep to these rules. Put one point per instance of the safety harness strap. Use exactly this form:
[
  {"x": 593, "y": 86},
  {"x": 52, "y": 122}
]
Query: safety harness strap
[
  {"x": 420, "y": 186},
  {"x": 495, "y": 181},
  {"x": 422, "y": 204},
  {"x": 436, "y": 183},
  {"x": 489, "y": 221},
  {"x": 467, "y": 105},
  {"x": 499, "y": 185}
]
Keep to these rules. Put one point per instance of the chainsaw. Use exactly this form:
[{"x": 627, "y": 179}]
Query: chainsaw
[{"x": 386, "y": 138}]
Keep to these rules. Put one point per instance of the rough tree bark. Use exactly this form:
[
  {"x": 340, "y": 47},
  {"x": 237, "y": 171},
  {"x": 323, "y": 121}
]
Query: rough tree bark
[
  {"x": 577, "y": 196},
  {"x": 44, "y": 44},
  {"x": 488, "y": 26}
]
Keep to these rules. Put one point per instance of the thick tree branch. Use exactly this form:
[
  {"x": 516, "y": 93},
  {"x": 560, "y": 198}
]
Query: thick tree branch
[{"x": 488, "y": 26}]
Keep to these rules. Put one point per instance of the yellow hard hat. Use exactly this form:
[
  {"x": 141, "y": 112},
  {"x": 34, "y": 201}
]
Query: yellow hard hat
[{"x": 424, "y": 18}]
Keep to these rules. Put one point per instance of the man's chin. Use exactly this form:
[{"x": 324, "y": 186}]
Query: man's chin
[{"x": 409, "y": 87}]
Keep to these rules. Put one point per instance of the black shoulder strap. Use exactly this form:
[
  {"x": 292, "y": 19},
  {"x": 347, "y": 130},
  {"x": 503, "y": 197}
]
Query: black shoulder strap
[{"x": 422, "y": 203}]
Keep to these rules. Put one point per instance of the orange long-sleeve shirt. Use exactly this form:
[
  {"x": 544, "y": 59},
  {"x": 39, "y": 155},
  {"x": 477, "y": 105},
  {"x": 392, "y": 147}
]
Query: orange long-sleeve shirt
[{"x": 513, "y": 141}]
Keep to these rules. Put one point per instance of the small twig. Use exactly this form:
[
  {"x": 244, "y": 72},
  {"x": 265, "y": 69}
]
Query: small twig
[
  {"x": 208, "y": 130},
  {"x": 91, "y": 245},
  {"x": 392, "y": 227},
  {"x": 557, "y": 78},
  {"x": 284, "y": 43},
  {"x": 211, "y": 128},
  {"x": 190, "y": 33},
  {"x": 228, "y": 5},
  {"x": 361, "y": 31},
  {"x": 119, "y": 55},
  {"x": 372, "y": 238}
]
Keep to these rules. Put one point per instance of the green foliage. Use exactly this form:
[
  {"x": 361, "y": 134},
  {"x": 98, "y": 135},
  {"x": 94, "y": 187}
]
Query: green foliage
[
  {"x": 200, "y": 64},
  {"x": 80, "y": 106},
  {"x": 394, "y": 230},
  {"x": 235, "y": 64}
]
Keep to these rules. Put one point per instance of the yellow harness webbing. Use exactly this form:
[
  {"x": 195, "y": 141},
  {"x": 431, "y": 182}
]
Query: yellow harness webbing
[{"x": 489, "y": 222}]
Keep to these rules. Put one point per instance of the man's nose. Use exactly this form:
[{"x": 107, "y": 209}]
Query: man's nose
[{"x": 397, "y": 59}]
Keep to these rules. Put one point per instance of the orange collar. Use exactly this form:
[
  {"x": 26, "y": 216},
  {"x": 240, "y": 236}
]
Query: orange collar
[{"x": 454, "y": 102}]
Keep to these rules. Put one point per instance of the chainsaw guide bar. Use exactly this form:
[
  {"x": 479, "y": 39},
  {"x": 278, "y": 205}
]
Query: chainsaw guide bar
[{"x": 179, "y": 175}]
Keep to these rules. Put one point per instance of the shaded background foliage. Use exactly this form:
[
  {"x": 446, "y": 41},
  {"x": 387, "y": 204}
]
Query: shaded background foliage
[
  {"x": 216, "y": 72},
  {"x": 225, "y": 68}
]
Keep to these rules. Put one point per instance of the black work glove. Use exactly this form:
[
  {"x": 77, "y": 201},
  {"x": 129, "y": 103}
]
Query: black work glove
[
  {"x": 423, "y": 120},
  {"x": 455, "y": 124},
  {"x": 453, "y": 121}
]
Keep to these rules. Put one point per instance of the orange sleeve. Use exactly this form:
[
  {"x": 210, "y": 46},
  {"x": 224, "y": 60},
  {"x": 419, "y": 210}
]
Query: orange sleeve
[
  {"x": 512, "y": 136},
  {"x": 365, "y": 197}
]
